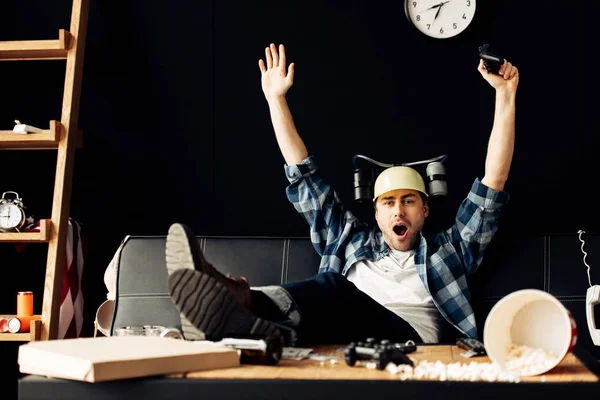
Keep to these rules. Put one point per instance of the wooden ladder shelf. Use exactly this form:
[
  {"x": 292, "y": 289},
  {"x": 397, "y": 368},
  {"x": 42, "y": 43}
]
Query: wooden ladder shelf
[{"x": 64, "y": 136}]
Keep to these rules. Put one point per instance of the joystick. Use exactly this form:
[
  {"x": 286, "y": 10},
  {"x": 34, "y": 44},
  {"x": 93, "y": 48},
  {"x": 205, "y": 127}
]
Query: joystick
[
  {"x": 491, "y": 62},
  {"x": 381, "y": 353}
]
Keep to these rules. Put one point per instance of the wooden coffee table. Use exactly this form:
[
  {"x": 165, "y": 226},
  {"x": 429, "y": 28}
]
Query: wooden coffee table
[
  {"x": 571, "y": 369},
  {"x": 323, "y": 380}
]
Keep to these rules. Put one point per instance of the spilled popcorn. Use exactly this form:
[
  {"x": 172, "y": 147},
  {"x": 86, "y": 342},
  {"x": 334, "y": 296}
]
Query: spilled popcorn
[
  {"x": 524, "y": 360},
  {"x": 473, "y": 371},
  {"x": 521, "y": 360}
]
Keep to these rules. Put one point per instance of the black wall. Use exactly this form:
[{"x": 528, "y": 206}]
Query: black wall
[{"x": 176, "y": 127}]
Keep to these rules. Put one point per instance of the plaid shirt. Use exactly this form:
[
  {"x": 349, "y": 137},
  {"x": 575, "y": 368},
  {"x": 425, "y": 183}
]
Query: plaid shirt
[{"x": 443, "y": 260}]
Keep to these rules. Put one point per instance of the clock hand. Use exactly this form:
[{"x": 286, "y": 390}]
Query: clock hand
[
  {"x": 435, "y": 6},
  {"x": 436, "y": 14},
  {"x": 432, "y": 7},
  {"x": 439, "y": 6}
]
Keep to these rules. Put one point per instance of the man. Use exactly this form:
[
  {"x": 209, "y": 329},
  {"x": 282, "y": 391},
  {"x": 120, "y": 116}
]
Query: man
[{"x": 388, "y": 281}]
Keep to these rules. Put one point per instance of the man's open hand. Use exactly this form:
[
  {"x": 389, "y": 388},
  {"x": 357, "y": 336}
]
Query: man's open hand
[{"x": 276, "y": 80}]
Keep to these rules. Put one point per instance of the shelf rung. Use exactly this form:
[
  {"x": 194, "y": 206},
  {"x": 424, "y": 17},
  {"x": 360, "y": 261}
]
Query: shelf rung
[
  {"x": 29, "y": 237},
  {"x": 15, "y": 337},
  {"x": 16, "y": 50},
  {"x": 47, "y": 139}
]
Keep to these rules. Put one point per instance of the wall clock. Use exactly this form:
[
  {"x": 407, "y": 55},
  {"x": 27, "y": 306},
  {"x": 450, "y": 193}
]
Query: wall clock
[{"x": 440, "y": 19}]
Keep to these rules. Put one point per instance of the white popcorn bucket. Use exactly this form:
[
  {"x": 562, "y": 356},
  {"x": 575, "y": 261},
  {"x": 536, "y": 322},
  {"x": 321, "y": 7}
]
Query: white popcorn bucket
[{"x": 531, "y": 318}]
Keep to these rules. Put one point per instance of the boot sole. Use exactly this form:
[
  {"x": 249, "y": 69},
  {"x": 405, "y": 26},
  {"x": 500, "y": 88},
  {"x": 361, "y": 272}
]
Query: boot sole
[
  {"x": 211, "y": 309},
  {"x": 178, "y": 255}
]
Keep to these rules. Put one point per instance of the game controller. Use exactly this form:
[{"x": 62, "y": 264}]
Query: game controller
[
  {"x": 491, "y": 61},
  {"x": 381, "y": 353}
]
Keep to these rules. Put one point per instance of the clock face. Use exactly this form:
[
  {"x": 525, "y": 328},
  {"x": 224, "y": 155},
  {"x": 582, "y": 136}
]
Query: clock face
[
  {"x": 11, "y": 216},
  {"x": 440, "y": 19}
]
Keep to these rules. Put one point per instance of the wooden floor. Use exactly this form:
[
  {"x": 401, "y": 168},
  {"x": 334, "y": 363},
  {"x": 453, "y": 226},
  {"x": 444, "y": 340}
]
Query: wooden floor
[{"x": 569, "y": 370}]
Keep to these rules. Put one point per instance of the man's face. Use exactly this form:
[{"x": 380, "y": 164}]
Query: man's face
[{"x": 401, "y": 215}]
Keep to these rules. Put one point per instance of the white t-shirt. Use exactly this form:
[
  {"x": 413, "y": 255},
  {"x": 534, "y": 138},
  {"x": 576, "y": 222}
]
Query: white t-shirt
[{"x": 394, "y": 283}]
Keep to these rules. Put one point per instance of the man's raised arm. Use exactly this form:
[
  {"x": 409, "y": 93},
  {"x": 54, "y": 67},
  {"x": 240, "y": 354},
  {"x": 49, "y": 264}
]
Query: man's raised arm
[
  {"x": 276, "y": 81},
  {"x": 502, "y": 139}
]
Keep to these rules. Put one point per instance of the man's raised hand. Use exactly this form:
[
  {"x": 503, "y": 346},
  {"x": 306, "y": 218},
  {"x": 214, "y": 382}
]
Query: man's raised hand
[
  {"x": 275, "y": 79},
  {"x": 507, "y": 77}
]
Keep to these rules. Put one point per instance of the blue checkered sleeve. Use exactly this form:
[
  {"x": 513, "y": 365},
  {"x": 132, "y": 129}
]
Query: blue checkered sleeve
[
  {"x": 320, "y": 206},
  {"x": 460, "y": 251},
  {"x": 476, "y": 223}
]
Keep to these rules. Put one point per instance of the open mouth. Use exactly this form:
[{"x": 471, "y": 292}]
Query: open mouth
[{"x": 400, "y": 230}]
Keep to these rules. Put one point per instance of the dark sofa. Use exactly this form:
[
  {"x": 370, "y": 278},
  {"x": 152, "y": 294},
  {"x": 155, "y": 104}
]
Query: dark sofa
[{"x": 553, "y": 263}]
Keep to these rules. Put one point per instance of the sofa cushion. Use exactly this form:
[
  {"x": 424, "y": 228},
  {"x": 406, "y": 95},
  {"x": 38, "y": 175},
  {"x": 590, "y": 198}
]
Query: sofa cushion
[{"x": 142, "y": 296}]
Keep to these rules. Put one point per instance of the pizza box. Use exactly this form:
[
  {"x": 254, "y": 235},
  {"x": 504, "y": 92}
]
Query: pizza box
[{"x": 121, "y": 357}]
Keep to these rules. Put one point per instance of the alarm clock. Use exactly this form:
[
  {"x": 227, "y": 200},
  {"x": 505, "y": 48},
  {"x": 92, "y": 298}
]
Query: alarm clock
[{"x": 12, "y": 213}]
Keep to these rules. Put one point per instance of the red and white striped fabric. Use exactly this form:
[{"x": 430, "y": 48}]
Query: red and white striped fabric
[
  {"x": 70, "y": 321},
  {"x": 71, "y": 301}
]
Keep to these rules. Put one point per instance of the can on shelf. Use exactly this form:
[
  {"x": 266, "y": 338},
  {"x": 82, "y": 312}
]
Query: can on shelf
[
  {"x": 24, "y": 304},
  {"x": 20, "y": 324},
  {"x": 4, "y": 325}
]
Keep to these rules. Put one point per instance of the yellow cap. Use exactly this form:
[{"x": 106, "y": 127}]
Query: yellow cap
[{"x": 400, "y": 177}]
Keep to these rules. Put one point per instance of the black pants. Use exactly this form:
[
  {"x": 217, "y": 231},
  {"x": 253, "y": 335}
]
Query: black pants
[{"x": 333, "y": 310}]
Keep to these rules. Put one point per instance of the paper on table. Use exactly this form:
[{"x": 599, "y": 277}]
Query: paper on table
[{"x": 295, "y": 353}]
